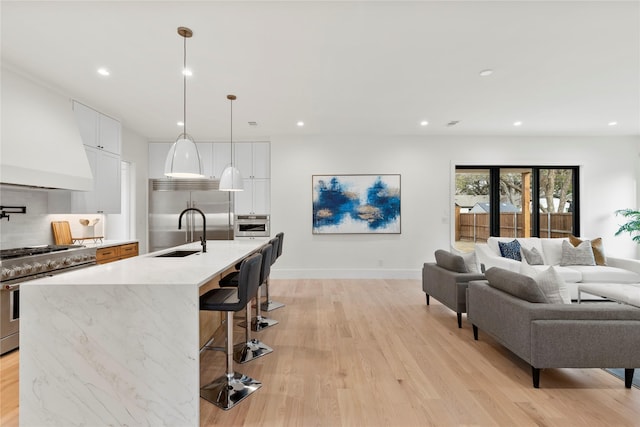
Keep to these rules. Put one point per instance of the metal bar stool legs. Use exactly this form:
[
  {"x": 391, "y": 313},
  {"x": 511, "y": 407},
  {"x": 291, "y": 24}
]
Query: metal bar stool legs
[
  {"x": 252, "y": 348},
  {"x": 231, "y": 388},
  {"x": 259, "y": 323},
  {"x": 269, "y": 304}
]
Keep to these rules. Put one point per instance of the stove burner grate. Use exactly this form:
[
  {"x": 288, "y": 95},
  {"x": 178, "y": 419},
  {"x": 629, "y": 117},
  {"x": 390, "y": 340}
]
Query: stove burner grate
[{"x": 35, "y": 250}]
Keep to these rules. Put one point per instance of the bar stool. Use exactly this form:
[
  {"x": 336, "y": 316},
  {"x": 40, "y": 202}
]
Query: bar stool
[
  {"x": 259, "y": 322},
  {"x": 270, "y": 305},
  {"x": 229, "y": 389},
  {"x": 253, "y": 348}
]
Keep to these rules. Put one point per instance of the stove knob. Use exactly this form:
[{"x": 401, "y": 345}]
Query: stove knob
[
  {"x": 16, "y": 271},
  {"x": 27, "y": 268},
  {"x": 6, "y": 273},
  {"x": 67, "y": 261},
  {"x": 52, "y": 263},
  {"x": 77, "y": 258},
  {"x": 37, "y": 266}
]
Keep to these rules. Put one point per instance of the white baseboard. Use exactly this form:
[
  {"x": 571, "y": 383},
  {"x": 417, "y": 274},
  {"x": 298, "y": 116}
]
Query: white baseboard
[{"x": 277, "y": 273}]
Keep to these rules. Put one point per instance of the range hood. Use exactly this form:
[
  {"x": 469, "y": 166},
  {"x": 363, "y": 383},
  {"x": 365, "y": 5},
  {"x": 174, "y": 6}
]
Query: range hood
[{"x": 40, "y": 142}]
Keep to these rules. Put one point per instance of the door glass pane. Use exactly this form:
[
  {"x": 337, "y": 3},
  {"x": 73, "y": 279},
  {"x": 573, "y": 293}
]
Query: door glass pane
[
  {"x": 515, "y": 202},
  {"x": 471, "y": 207},
  {"x": 556, "y": 202}
]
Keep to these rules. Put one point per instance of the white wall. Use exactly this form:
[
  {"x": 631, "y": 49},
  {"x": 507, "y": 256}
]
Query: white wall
[
  {"x": 135, "y": 150},
  {"x": 608, "y": 170}
]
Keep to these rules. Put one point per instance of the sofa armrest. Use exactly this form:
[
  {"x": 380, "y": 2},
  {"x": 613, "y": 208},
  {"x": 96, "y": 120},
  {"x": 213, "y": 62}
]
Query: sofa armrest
[
  {"x": 448, "y": 287},
  {"x": 488, "y": 258},
  {"x": 624, "y": 263}
]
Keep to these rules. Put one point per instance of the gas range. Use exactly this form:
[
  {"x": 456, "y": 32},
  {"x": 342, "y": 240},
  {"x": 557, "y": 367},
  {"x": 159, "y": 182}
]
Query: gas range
[
  {"x": 27, "y": 263},
  {"x": 23, "y": 264}
]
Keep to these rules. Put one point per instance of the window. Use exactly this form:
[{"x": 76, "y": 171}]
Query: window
[{"x": 514, "y": 201}]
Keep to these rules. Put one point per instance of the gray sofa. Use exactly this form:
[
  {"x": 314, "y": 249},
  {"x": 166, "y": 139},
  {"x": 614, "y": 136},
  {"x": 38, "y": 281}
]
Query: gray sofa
[
  {"x": 590, "y": 335},
  {"x": 446, "y": 280}
]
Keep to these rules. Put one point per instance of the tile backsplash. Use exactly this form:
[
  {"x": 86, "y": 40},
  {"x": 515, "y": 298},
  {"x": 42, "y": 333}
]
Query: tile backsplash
[{"x": 34, "y": 227}]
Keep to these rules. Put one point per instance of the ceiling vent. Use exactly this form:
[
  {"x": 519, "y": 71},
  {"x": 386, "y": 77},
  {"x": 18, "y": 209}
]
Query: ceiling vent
[{"x": 253, "y": 123}]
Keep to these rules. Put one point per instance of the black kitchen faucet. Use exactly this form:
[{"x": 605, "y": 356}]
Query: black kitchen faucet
[{"x": 203, "y": 238}]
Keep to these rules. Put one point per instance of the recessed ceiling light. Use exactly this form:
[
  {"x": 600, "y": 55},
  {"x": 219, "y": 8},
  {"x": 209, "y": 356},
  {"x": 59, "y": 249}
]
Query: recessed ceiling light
[
  {"x": 300, "y": 123},
  {"x": 518, "y": 123},
  {"x": 103, "y": 71},
  {"x": 180, "y": 124},
  {"x": 485, "y": 73},
  {"x": 613, "y": 123},
  {"x": 187, "y": 72},
  {"x": 424, "y": 123}
]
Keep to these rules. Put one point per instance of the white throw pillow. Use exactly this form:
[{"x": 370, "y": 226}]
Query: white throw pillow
[
  {"x": 550, "y": 282},
  {"x": 470, "y": 260},
  {"x": 552, "y": 250},
  {"x": 531, "y": 256},
  {"x": 579, "y": 255}
]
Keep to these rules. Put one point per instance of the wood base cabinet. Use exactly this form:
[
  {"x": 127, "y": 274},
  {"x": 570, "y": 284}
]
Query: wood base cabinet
[{"x": 115, "y": 253}]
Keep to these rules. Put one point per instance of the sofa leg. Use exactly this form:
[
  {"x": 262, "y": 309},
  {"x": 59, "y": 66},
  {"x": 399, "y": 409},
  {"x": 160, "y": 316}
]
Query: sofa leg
[
  {"x": 427, "y": 298},
  {"x": 535, "y": 373},
  {"x": 628, "y": 377},
  {"x": 459, "y": 320},
  {"x": 475, "y": 332}
]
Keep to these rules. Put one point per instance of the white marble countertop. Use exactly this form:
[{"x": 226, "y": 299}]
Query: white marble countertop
[{"x": 149, "y": 270}]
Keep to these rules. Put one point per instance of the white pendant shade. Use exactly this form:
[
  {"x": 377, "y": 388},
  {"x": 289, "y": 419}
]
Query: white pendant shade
[
  {"x": 231, "y": 180},
  {"x": 183, "y": 160}
]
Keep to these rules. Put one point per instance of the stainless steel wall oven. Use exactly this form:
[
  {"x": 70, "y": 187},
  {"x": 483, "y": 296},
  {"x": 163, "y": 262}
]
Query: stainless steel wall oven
[{"x": 252, "y": 226}]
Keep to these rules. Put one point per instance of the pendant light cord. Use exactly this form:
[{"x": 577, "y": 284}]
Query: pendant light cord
[
  {"x": 184, "y": 88},
  {"x": 231, "y": 133},
  {"x": 231, "y": 98}
]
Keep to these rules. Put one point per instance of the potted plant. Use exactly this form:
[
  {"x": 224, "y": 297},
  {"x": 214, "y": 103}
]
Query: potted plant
[{"x": 632, "y": 226}]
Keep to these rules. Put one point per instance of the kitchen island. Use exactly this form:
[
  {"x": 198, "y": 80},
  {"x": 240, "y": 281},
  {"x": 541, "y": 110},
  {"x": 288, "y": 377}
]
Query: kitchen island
[{"x": 118, "y": 344}]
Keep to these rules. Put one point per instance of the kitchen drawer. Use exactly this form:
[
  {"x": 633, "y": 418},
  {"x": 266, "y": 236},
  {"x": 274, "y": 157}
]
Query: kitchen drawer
[
  {"x": 129, "y": 250},
  {"x": 115, "y": 253}
]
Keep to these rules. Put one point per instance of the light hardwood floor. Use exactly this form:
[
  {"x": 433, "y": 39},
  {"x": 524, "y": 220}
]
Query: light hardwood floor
[{"x": 371, "y": 353}]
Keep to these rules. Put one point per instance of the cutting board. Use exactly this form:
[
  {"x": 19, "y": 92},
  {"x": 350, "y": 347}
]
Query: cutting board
[{"x": 61, "y": 232}]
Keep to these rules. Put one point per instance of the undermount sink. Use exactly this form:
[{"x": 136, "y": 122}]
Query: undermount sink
[{"x": 177, "y": 254}]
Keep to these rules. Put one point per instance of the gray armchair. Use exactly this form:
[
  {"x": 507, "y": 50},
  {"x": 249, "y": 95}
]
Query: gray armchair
[{"x": 446, "y": 280}]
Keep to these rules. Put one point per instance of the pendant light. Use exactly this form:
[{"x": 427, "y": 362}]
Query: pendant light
[
  {"x": 231, "y": 178},
  {"x": 183, "y": 159}
]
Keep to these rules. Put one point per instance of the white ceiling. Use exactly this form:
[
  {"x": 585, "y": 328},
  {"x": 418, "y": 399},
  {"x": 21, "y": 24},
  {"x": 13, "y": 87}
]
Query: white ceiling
[{"x": 354, "y": 68}]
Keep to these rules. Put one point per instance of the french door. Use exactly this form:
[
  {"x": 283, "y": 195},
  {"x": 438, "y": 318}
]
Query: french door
[{"x": 515, "y": 201}]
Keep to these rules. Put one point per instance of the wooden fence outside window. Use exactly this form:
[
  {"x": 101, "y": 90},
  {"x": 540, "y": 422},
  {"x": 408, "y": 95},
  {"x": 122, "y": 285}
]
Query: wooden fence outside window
[{"x": 475, "y": 226}]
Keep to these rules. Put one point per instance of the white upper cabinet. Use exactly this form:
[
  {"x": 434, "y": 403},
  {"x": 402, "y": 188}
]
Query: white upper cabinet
[
  {"x": 97, "y": 130},
  {"x": 253, "y": 159},
  {"x": 254, "y": 199},
  {"x": 109, "y": 131},
  {"x": 87, "y": 120},
  {"x": 101, "y": 136},
  {"x": 105, "y": 197}
]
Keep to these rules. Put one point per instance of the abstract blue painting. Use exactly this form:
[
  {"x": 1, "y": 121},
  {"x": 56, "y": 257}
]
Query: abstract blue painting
[{"x": 353, "y": 204}]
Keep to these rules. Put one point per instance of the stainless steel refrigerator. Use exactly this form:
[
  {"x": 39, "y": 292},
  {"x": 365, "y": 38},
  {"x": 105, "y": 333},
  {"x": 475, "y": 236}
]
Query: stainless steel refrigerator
[{"x": 169, "y": 197}]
